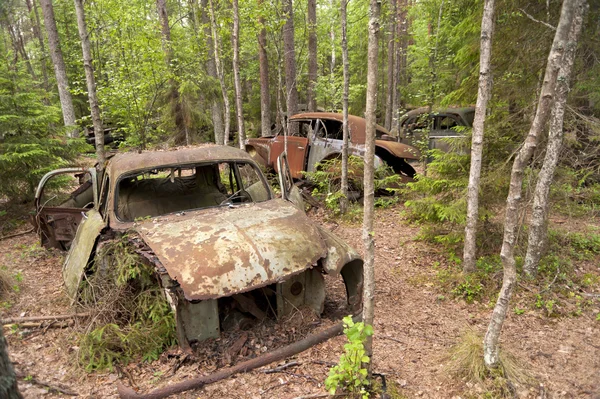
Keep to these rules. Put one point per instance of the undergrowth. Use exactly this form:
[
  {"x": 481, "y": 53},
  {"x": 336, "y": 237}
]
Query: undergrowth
[{"x": 132, "y": 316}]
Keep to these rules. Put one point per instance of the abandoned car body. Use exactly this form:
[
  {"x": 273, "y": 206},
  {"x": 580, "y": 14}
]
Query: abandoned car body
[
  {"x": 319, "y": 138},
  {"x": 224, "y": 249}
]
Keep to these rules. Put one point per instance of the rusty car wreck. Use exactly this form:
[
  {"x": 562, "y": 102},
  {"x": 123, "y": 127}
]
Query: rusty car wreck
[
  {"x": 223, "y": 247},
  {"x": 317, "y": 137}
]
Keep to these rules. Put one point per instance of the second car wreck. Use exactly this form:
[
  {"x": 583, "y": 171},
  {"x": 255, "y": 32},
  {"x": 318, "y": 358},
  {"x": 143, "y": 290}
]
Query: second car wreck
[{"x": 224, "y": 250}]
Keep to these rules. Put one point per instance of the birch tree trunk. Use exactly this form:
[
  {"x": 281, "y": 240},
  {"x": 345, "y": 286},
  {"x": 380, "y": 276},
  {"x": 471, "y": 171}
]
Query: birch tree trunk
[
  {"x": 66, "y": 102},
  {"x": 390, "y": 87},
  {"x": 215, "y": 39},
  {"x": 368, "y": 234},
  {"x": 483, "y": 95},
  {"x": 265, "y": 97},
  {"x": 8, "y": 380},
  {"x": 490, "y": 342},
  {"x": 91, "y": 84},
  {"x": 35, "y": 23},
  {"x": 312, "y": 54},
  {"x": 345, "y": 95},
  {"x": 538, "y": 227},
  {"x": 236, "y": 75},
  {"x": 289, "y": 54},
  {"x": 211, "y": 69}
]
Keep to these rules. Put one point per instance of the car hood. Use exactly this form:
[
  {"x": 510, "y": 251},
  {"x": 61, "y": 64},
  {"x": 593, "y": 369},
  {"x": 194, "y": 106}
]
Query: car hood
[
  {"x": 399, "y": 150},
  {"x": 222, "y": 251}
]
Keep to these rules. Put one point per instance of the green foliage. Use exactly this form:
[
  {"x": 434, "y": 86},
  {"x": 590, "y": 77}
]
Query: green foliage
[
  {"x": 135, "y": 319},
  {"x": 349, "y": 375}
]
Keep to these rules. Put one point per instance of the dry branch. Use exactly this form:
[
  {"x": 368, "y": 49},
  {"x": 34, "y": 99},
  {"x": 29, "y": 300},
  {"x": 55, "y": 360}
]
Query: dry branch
[
  {"x": 16, "y": 234},
  {"x": 19, "y": 320}
]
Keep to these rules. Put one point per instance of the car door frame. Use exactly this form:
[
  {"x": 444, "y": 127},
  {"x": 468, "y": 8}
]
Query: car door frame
[{"x": 289, "y": 191}]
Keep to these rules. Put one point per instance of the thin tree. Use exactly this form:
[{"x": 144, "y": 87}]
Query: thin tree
[
  {"x": 483, "y": 95},
  {"x": 60, "y": 71},
  {"x": 390, "y": 87},
  {"x": 265, "y": 98},
  {"x": 345, "y": 95},
  {"x": 8, "y": 380},
  {"x": 91, "y": 83},
  {"x": 215, "y": 39},
  {"x": 538, "y": 227},
  {"x": 35, "y": 23},
  {"x": 312, "y": 55},
  {"x": 289, "y": 54},
  {"x": 211, "y": 70},
  {"x": 513, "y": 200},
  {"x": 236, "y": 74},
  {"x": 368, "y": 234}
]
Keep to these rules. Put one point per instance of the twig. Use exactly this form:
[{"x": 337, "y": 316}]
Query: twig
[
  {"x": 323, "y": 363},
  {"x": 537, "y": 20},
  {"x": 55, "y": 388},
  {"x": 275, "y": 386},
  {"x": 390, "y": 338},
  {"x": 590, "y": 295},
  {"x": 17, "y": 234},
  {"x": 320, "y": 395},
  {"x": 280, "y": 368},
  {"x": 18, "y": 320}
]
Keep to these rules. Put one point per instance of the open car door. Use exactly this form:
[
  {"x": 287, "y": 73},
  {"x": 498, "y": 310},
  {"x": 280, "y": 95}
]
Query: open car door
[
  {"x": 61, "y": 199},
  {"x": 289, "y": 191}
]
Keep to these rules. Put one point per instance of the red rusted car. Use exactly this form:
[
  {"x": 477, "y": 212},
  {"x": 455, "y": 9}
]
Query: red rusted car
[
  {"x": 319, "y": 138},
  {"x": 222, "y": 246}
]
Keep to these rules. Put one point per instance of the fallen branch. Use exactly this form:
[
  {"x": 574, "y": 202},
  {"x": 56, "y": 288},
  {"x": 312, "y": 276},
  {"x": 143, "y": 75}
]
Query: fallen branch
[
  {"x": 16, "y": 234},
  {"x": 52, "y": 388},
  {"x": 41, "y": 325},
  {"x": 390, "y": 338},
  {"x": 280, "y": 368},
  {"x": 19, "y": 320},
  {"x": 263, "y": 360},
  {"x": 537, "y": 20}
]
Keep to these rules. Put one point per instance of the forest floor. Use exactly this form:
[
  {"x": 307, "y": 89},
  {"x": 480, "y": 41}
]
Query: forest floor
[{"x": 417, "y": 321}]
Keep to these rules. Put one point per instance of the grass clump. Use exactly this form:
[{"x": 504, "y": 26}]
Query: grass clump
[
  {"x": 132, "y": 316},
  {"x": 7, "y": 283}
]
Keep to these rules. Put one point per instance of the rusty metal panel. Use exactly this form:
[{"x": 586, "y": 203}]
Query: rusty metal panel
[
  {"x": 338, "y": 252},
  {"x": 399, "y": 150},
  {"x": 219, "y": 252}
]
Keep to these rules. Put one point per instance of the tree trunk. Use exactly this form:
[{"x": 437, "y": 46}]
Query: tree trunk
[
  {"x": 312, "y": 55},
  {"x": 345, "y": 95},
  {"x": 490, "y": 343},
  {"x": 483, "y": 96},
  {"x": 236, "y": 75},
  {"x": 91, "y": 84},
  {"x": 368, "y": 234},
  {"x": 35, "y": 23},
  {"x": 8, "y": 380},
  {"x": 538, "y": 228},
  {"x": 400, "y": 68},
  {"x": 433, "y": 60},
  {"x": 211, "y": 69},
  {"x": 66, "y": 103},
  {"x": 19, "y": 45},
  {"x": 215, "y": 39},
  {"x": 289, "y": 54},
  {"x": 265, "y": 99},
  {"x": 389, "y": 94}
]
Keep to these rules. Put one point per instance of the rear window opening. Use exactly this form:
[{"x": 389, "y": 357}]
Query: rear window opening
[{"x": 160, "y": 191}]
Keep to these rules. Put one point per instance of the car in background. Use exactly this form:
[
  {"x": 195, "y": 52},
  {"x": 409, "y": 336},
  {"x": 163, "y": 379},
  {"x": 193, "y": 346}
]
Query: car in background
[
  {"x": 439, "y": 126},
  {"x": 205, "y": 220},
  {"x": 317, "y": 137}
]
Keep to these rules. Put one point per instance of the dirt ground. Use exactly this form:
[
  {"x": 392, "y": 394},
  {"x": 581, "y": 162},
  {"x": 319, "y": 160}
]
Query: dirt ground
[{"x": 415, "y": 325}]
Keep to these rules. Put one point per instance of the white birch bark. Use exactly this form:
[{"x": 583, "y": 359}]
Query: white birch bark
[
  {"x": 345, "y": 95},
  {"x": 513, "y": 200},
  {"x": 91, "y": 83},
  {"x": 538, "y": 227},
  {"x": 265, "y": 98},
  {"x": 60, "y": 71},
  {"x": 368, "y": 208},
  {"x": 483, "y": 95},
  {"x": 215, "y": 39},
  {"x": 236, "y": 75},
  {"x": 289, "y": 55},
  {"x": 312, "y": 55}
]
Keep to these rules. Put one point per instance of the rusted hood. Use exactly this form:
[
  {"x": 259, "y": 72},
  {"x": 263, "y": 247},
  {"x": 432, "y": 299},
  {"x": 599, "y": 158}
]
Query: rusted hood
[
  {"x": 398, "y": 149},
  {"x": 222, "y": 251}
]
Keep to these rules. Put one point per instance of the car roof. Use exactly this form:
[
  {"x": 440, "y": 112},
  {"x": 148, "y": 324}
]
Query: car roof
[
  {"x": 131, "y": 161},
  {"x": 357, "y": 125},
  {"x": 423, "y": 110}
]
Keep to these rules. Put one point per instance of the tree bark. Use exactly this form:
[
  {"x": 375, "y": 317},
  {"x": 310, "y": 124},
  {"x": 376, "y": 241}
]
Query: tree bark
[
  {"x": 265, "y": 98},
  {"x": 538, "y": 228},
  {"x": 211, "y": 69},
  {"x": 35, "y": 23},
  {"x": 312, "y": 55},
  {"x": 8, "y": 379},
  {"x": 483, "y": 96},
  {"x": 215, "y": 39},
  {"x": 345, "y": 95},
  {"x": 513, "y": 200},
  {"x": 289, "y": 54},
  {"x": 236, "y": 75},
  {"x": 91, "y": 84},
  {"x": 389, "y": 94},
  {"x": 368, "y": 234},
  {"x": 66, "y": 102}
]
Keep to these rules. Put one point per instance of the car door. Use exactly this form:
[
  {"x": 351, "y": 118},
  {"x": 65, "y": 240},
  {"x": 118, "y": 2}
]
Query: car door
[
  {"x": 61, "y": 199},
  {"x": 289, "y": 191},
  {"x": 297, "y": 148}
]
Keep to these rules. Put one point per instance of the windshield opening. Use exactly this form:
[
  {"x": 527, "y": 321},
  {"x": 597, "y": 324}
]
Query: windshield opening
[{"x": 165, "y": 190}]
